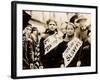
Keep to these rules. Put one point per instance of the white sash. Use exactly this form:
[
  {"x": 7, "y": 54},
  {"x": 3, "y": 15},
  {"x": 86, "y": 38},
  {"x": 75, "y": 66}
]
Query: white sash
[
  {"x": 51, "y": 42},
  {"x": 70, "y": 52}
]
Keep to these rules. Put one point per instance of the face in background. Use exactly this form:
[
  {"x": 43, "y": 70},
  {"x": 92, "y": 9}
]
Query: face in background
[
  {"x": 82, "y": 24},
  {"x": 52, "y": 25},
  {"x": 28, "y": 30},
  {"x": 70, "y": 30},
  {"x": 63, "y": 28},
  {"x": 34, "y": 33}
]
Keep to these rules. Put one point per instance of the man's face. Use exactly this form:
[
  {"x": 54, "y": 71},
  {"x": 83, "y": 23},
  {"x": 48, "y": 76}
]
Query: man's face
[
  {"x": 70, "y": 30},
  {"x": 82, "y": 24},
  {"x": 52, "y": 26}
]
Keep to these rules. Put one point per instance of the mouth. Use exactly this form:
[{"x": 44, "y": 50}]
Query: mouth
[
  {"x": 69, "y": 33},
  {"x": 52, "y": 28}
]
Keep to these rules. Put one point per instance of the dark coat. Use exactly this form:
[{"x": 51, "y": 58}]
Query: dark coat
[
  {"x": 52, "y": 59},
  {"x": 62, "y": 47},
  {"x": 86, "y": 54}
]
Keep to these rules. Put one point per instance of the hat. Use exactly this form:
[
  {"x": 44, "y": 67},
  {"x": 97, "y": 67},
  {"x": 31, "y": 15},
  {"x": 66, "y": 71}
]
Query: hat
[
  {"x": 80, "y": 17},
  {"x": 73, "y": 18}
]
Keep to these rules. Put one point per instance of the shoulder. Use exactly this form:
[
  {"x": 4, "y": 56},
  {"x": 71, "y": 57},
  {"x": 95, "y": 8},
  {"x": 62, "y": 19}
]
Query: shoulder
[
  {"x": 43, "y": 37},
  {"x": 62, "y": 44}
]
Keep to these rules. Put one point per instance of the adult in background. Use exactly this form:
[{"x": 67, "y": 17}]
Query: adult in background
[
  {"x": 26, "y": 51},
  {"x": 83, "y": 32},
  {"x": 34, "y": 48}
]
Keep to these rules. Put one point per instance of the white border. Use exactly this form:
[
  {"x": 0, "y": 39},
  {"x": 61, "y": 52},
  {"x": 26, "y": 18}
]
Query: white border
[{"x": 36, "y": 72}]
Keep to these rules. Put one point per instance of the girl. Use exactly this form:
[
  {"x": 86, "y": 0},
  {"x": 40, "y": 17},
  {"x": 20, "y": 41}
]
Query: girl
[
  {"x": 70, "y": 49},
  {"x": 48, "y": 45}
]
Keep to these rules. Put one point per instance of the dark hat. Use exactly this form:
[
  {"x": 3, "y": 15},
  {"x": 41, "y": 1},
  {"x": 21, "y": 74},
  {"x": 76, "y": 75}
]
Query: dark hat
[{"x": 73, "y": 18}]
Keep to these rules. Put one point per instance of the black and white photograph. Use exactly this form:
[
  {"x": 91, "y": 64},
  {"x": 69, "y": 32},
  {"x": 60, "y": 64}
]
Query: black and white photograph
[{"x": 54, "y": 39}]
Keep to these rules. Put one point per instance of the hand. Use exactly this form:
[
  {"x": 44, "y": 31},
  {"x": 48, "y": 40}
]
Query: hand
[
  {"x": 41, "y": 67},
  {"x": 62, "y": 66},
  {"x": 78, "y": 63},
  {"x": 31, "y": 66}
]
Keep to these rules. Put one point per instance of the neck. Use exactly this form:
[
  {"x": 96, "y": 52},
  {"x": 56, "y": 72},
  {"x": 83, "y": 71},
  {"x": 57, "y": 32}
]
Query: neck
[
  {"x": 68, "y": 38},
  {"x": 50, "y": 32}
]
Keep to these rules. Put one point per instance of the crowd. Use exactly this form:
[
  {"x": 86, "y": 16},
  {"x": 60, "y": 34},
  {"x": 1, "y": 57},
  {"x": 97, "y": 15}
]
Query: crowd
[{"x": 67, "y": 46}]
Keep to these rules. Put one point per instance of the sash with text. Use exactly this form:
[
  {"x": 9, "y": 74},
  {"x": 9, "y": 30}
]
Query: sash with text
[
  {"x": 70, "y": 52},
  {"x": 51, "y": 42}
]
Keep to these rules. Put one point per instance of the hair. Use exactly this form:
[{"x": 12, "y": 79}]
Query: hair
[
  {"x": 48, "y": 21},
  {"x": 64, "y": 23},
  {"x": 71, "y": 25},
  {"x": 34, "y": 29}
]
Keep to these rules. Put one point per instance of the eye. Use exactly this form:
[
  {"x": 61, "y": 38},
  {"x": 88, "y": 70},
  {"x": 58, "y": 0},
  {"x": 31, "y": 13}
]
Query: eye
[
  {"x": 71, "y": 28},
  {"x": 68, "y": 29},
  {"x": 50, "y": 24}
]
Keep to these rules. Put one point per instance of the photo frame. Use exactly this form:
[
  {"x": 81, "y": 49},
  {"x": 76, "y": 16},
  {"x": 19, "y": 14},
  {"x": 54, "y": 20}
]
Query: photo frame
[{"x": 35, "y": 17}]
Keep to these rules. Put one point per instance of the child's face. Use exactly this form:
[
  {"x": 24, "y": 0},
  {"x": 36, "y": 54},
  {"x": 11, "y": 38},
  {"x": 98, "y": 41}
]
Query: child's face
[
  {"x": 63, "y": 28},
  {"x": 52, "y": 26},
  {"x": 70, "y": 30}
]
